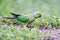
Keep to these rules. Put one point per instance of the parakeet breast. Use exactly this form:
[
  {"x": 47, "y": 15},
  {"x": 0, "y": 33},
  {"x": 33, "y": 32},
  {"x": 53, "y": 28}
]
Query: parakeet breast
[
  {"x": 23, "y": 19},
  {"x": 31, "y": 18}
]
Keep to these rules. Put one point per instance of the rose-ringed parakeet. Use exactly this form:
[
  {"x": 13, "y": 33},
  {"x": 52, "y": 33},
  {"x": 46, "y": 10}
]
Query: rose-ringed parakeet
[{"x": 26, "y": 19}]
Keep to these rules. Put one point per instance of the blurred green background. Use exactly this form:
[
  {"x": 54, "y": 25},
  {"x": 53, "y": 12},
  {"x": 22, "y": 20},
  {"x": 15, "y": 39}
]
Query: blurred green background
[
  {"x": 49, "y": 8},
  {"x": 46, "y": 7}
]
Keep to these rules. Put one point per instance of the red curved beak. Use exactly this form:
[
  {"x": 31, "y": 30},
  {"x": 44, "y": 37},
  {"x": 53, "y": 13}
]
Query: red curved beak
[{"x": 40, "y": 15}]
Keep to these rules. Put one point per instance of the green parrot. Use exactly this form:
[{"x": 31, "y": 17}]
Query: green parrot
[{"x": 26, "y": 19}]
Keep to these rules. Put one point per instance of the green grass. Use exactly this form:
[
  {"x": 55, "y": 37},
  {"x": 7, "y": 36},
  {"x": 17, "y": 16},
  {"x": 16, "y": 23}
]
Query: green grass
[{"x": 13, "y": 33}]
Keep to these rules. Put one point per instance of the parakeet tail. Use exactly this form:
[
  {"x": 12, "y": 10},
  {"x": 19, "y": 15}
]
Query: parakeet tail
[
  {"x": 9, "y": 17},
  {"x": 15, "y": 15}
]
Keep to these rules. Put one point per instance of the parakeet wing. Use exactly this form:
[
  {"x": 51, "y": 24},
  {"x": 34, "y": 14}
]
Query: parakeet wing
[{"x": 23, "y": 19}]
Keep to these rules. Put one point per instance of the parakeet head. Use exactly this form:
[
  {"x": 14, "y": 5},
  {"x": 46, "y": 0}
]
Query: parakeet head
[{"x": 37, "y": 15}]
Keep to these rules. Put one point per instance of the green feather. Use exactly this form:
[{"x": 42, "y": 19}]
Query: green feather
[
  {"x": 23, "y": 19},
  {"x": 37, "y": 14}
]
